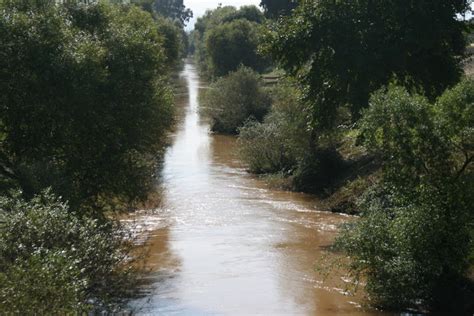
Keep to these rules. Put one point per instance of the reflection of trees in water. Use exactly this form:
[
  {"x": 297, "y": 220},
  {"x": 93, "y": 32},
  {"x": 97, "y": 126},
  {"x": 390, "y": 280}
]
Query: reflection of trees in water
[
  {"x": 224, "y": 151},
  {"x": 155, "y": 261}
]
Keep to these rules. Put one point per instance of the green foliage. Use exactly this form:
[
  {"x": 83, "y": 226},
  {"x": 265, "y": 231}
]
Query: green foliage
[
  {"x": 225, "y": 38},
  {"x": 263, "y": 147},
  {"x": 342, "y": 51},
  {"x": 276, "y": 8},
  {"x": 84, "y": 104},
  {"x": 455, "y": 116},
  {"x": 401, "y": 129},
  {"x": 277, "y": 144},
  {"x": 317, "y": 170},
  {"x": 41, "y": 285},
  {"x": 419, "y": 141},
  {"x": 173, "y": 40},
  {"x": 233, "y": 99},
  {"x": 53, "y": 262},
  {"x": 173, "y": 9},
  {"x": 413, "y": 250},
  {"x": 247, "y": 12},
  {"x": 231, "y": 45},
  {"x": 171, "y": 17},
  {"x": 285, "y": 143},
  {"x": 413, "y": 240}
]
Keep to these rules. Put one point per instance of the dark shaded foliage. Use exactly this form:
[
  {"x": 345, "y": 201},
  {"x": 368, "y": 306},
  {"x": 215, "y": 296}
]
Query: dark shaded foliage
[
  {"x": 342, "y": 51},
  {"x": 84, "y": 102},
  {"x": 414, "y": 239},
  {"x": 231, "y": 45},
  {"x": 276, "y": 8}
]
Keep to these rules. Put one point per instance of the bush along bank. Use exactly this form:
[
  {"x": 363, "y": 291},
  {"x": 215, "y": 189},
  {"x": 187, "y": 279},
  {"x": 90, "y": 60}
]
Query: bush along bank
[{"x": 84, "y": 112}]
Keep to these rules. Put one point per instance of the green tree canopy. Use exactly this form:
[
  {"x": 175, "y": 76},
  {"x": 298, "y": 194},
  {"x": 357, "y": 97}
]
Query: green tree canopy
[
  {"x": 172, "y": 9},
  {"x": 233, "y": 44},
  {"x": 414, "y": 238},
  {"x": 84, "y": 103},
  {"x": 342, "y": 51},
  {"x": 248, "y": 12},
  {"x": 275, "y": 8},
  {"x": 174, "y": 40},
  {"x": 226, "y": 37}
]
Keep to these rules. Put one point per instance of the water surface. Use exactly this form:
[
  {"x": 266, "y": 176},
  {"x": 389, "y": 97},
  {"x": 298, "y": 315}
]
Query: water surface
[{"x": 225, "y": 244}]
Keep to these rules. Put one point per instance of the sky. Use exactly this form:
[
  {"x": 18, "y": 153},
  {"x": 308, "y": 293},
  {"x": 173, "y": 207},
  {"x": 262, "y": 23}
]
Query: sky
[{"x": 199, "y": 7}]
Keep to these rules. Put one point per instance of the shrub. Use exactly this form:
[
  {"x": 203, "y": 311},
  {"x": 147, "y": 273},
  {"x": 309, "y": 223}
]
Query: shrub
[
  {"x": 226, "y": 37},
  {"x": 401, "y": 130},
  {"x": 42, "y": 283},
  {"x": 283, "y": 143},
  {"x": 414, "y": 237},
  {"x": 412, "y": 250},
  {"x": 231, "y": 100},
  {"x": 264, "y": 148},
  {"x": 54, "y": 262},
  {"x": 317, "y": 170},
  {"x": 276, "y": 144}
]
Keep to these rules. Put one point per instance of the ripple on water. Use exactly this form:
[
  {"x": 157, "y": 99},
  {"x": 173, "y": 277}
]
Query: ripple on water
[{"x": 225, "y": 243}]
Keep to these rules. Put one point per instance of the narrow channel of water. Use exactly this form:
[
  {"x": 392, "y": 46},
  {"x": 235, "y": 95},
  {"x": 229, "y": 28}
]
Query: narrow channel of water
[{"x": 225, "y": 244}]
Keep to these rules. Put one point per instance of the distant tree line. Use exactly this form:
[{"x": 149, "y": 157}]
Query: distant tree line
[{"x": 226, "y": 38}]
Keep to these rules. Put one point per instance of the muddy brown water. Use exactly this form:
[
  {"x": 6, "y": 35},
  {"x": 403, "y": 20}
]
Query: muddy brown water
[{"x": 225, "y": 244}]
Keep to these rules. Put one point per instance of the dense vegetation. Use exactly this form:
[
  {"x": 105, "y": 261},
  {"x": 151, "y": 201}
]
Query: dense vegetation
[
  {"x": 226, "y": 38},
  {"x": 343, "y": 51},
  {"x": 84, "y": 109},
  {"x": 367, "y": 97},
  {"x": 233, "y": 99},
  {"x": 277, "y": 143},
  {"x": 376, "y": 106},
  {"x": 76, "y": 82},
  {"x": 53, "y": 261},
  {"x": 285, "y": 144},
  {"x": 172, "y": 9},
  {"x": 414, "y": 239},
  {"x": 171, "y": 16},
  {"x": 276, "y": 8}
]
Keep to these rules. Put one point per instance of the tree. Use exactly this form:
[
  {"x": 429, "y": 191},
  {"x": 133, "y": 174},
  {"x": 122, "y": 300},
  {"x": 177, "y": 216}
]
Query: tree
[
  {"x": 173, "y": 9},
  {"x": 84, "y": 104},
  {"x": 280, "y": 142},
  {"x": 247, "y": 12},
  {"x": 342, "y": 51},
  {"x": 246, "y": 30},
  {"x": 173, "y": 40},
  {"x": 275, "y": 8},
  {"x": 414, "y": 238},
  {"x": 233, "y": 44},
  {"x": 233, "y": 99}
]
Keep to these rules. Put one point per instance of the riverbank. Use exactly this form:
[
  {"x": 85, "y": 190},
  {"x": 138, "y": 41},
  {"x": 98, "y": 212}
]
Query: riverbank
[
  {"x": 358, "y": 172},
  {"x": 226, "y": 243}
]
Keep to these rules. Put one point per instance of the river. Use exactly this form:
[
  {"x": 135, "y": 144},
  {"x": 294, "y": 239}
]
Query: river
[{"x": 224, "y": 243}]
